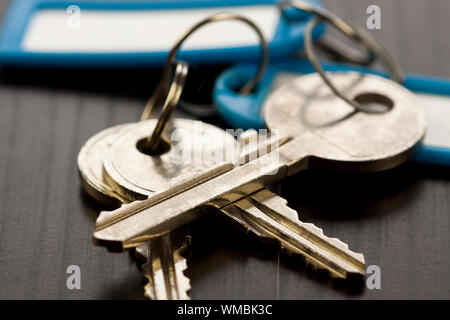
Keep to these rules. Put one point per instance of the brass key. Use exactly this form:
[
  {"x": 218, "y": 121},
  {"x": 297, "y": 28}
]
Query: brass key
[
  {"x": 324, "y": 132},
  {"x": 163, "y": 265}
]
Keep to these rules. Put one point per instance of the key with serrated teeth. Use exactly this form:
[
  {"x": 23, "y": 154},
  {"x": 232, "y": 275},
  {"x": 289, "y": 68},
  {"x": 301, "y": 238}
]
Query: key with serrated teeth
[
  {"x": 268, "y": 216},
  {"x": 319, "y": 130},
  {"x": 165, "y": 274},
  {"x": 163, "y": 265},
  {"x": 164, "y": 268}
]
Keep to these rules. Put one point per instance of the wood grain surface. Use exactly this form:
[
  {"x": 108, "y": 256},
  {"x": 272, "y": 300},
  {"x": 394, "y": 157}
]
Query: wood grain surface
[{"x": 399, "y": 219}]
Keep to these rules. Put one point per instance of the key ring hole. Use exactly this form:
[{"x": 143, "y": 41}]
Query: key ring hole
[
  {"x": 374, "y": 103},
  {"x": 163, "y": 147},
  {"x": 363, "y": 38}
]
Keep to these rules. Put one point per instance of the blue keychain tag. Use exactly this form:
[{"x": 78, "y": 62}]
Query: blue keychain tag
[
  {"x": 111, "y": 33},
  {"x": 245, "y": 111}
]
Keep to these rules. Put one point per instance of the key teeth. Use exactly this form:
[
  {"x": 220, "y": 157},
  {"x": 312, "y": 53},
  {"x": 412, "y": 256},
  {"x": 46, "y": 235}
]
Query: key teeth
[
  {"x": 339, "y": 243},
  {"x": 336, "y": 242},
  {"x": 323, "y": 272},
  {"x": 310, "y": 226},
  {"x": 308, "y": 262},
  {"x": 360, "y": 257},
  {"x": 181, "y": 276},
  {"x": 181, "y": 266},
  {"x": 124, "y": 206},
  {"x": 148, "y": 292},
  {"x": 185, "y": 279}
]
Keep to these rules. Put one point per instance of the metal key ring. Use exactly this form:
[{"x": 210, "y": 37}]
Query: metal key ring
[
  {"x": 173, "y": 96},
  {"x": 337, "y": 54},
  {"x": 161, "y": 90},
  {"x": 367, "y": 41}
]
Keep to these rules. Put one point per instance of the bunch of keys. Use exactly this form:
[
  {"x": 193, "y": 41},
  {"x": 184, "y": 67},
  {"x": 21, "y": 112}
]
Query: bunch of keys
[
  {"x": 163, "y": 265},
  {"x": 163, "y": 188}
]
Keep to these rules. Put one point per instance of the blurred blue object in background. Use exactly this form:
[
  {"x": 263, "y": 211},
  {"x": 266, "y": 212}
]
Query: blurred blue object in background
[{"x": 107, "y": 33}]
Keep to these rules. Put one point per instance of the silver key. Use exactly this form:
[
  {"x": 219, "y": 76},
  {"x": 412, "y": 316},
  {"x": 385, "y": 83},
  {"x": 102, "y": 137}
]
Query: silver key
[
  {"x": 164, "y": 266},
  {"x": 123, "y": 165},
  {"x": 164, "y": 272},
  {"x": 328, "y": 254},
  {"x": 323, "y": 131}
]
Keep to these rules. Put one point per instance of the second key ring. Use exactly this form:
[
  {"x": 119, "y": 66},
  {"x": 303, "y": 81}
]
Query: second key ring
[
  {"x": 153, "y": 142},
  {"x": 162, "y": 89},
  {"x": 370, "y": 44}
]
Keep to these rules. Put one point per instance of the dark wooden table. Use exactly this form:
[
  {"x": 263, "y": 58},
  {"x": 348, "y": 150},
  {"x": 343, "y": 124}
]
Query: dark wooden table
[{"x": 399, "y": 219}]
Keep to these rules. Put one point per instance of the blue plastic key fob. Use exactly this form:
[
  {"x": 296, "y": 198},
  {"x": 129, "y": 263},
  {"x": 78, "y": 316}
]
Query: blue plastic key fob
[{"x": 85, "y": 33}]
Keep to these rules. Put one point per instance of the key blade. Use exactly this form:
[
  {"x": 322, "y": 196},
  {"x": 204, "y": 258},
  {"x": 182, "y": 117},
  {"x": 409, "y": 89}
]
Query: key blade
[
  {"x": 143, "y": 220},
  {"x": 164, "y": 269},
  {"x": 268, "y": 216},
  {"x": 107, "y": 218}
]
